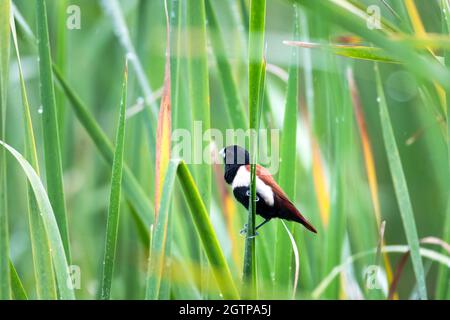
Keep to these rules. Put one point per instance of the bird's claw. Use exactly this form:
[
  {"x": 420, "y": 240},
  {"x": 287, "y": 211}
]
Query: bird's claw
[{"x": 245, "y": 230}]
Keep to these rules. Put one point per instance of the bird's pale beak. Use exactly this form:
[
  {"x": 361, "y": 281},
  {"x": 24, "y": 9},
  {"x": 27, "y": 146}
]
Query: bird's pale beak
[{"x": 222, "y": 153}]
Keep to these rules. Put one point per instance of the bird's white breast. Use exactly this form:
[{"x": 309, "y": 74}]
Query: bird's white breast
[{"x": 242, "y": 179}]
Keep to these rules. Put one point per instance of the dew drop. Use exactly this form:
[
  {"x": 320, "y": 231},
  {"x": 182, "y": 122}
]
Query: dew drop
[
  {"x": 40, "y": 110},
  {"x": 378, "y": 99}
]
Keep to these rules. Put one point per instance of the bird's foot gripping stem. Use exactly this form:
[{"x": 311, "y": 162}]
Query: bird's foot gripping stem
[{"x": 244, "y": 231}]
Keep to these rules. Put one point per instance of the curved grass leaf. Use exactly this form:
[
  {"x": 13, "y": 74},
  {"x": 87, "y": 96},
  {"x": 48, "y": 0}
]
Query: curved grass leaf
[
  {"x": 52, "y": 147},
  {"x": 430, "y": 254},
  {"x": 296, "y": 259},
  {"x": 42, "y": 260},
  {"x": 112, "y": 225},
  {"x": 51, "y": 227},
  {"x": 401, "y": 188}
]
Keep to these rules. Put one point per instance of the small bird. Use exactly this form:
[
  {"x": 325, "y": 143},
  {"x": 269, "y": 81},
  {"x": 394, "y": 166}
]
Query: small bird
[{"x": 271, "y": 201}]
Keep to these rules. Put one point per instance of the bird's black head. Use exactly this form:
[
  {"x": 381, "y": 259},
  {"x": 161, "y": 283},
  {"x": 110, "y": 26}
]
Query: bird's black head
[{"x": 234, "y": 157}]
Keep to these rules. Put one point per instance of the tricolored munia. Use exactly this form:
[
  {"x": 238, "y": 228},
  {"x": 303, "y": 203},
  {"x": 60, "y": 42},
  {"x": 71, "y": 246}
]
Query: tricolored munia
[{"x": 271, "y": 201}]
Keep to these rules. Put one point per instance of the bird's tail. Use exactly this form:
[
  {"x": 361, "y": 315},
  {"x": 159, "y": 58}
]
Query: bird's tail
[
  {"x": 293, "y": 214},
  {"x": 301, "y": 219}
]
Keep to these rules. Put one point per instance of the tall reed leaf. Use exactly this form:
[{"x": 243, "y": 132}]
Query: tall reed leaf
[
  {"x": 207, "y": 234},
  {"x": 5, "y": 11},
  {"x": 160, "y": 233},
  {"x": 256, "y": 71},
  {"x": 51, "y": 227},
  {"x": 164, "y": 128},
  {"x": 52, "y": 148},
  {"x": 112, "y": 225},
  {"x": 401, "y": 188},
  {"x": 287, "y": 175},
  {"x": 42, "y": 260},
  {"x": 160, "y": 237}
]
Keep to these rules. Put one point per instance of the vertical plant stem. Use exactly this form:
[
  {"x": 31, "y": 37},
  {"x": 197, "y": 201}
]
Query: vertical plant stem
[
  {"x": 255, "y": 96},
  {"x": 5, "y": 285},
  {"x": 52, "y": 146}
]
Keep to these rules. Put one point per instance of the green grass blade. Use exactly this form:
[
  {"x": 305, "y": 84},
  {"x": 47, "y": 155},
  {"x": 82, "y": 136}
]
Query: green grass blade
[
  {"x": 349, "y": 51},
  {"x": 133, "y": 190},
  {"x": 256, "y": 71},
  {"x": 51, "y": 226},
  {"x": 207, "y": 234},
  {"x": 18, "y": 291},
  {"x": 235, "y": 106},
  {"x": 287, "y": 174},
  {"x": 52, "y": 147},
  {"x": 112, "y": 225},
  {"x": 42, "y": 260},
  {"x": 199, "y": 89},
  {"x": 159, "y": 239},
  {"x": 401, "y": 188},
  {"x": 5, "y": 11}
]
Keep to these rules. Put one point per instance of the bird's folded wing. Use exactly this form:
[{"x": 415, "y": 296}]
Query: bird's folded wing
[{"x": 265, "y": 176}]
